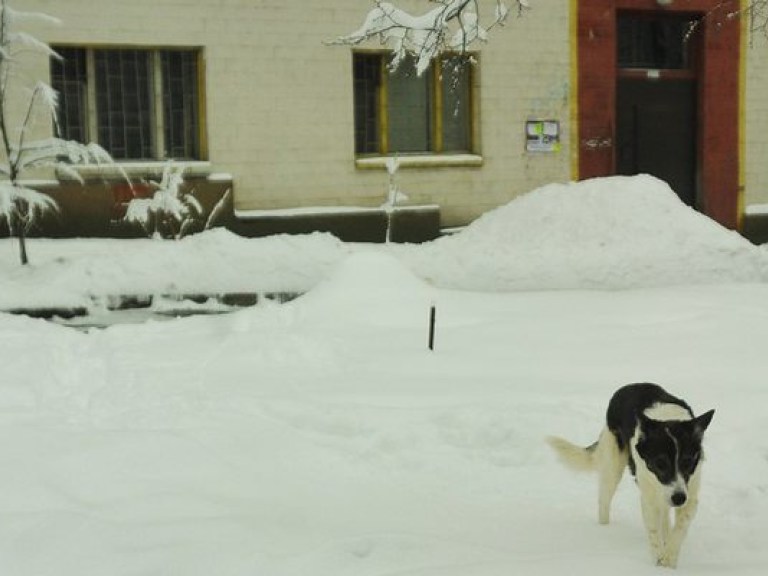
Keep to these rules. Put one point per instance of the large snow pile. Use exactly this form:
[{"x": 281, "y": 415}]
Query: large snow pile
[{"x": 606, "y": 233}]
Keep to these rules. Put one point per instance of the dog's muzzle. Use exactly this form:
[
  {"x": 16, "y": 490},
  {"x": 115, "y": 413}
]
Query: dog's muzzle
[{"x": 678, "y": 499}]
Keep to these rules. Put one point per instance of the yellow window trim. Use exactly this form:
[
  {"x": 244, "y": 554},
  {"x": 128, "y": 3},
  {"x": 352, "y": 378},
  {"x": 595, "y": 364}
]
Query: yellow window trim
[
  {"x": 437, "y": 120},
  {"x": 383, "y": 106}
]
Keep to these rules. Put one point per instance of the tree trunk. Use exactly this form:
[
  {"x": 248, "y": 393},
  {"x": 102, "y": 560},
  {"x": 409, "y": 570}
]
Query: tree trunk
[
  {"x": 17, "y": 223},
  {"x": 23, "y": 246}
]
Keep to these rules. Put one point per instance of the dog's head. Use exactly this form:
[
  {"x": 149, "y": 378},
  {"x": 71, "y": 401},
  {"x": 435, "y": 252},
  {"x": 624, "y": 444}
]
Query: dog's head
[{"x": 671, "y": 451}]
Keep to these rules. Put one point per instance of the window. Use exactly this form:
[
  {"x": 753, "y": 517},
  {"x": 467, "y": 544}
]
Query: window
[
  {"x": 654, "y": 41},
  {"x": 401, "y": 112},
  {"x": 138, "y": 104}
]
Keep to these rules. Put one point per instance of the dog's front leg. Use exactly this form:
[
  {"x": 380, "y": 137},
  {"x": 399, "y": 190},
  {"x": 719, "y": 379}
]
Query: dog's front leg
[
  {"x": 683, "y": 517},
  {"x": 656, "y": 520}
]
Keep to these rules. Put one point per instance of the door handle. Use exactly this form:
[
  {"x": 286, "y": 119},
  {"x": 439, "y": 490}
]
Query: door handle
[{"x": 596, "y": 143}]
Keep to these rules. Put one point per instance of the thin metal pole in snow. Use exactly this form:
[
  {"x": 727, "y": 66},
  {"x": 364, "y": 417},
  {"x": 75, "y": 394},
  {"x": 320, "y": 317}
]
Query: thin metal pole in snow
[{"x": 432, "y": 327}]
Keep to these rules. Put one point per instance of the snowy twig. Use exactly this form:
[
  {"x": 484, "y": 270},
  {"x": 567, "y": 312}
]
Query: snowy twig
[
  {"x": 730, "y": 10},
  {"x": 218, "y": 209}
]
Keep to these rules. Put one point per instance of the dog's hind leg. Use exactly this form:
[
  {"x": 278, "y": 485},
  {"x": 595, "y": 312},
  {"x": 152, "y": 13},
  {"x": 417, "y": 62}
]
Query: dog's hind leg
[{"x": 611, "y": 461}]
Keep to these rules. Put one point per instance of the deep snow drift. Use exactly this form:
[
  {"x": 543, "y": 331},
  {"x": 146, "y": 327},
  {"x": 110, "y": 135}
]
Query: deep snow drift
[
  {"x": 606, "y": 233},
  {"x": 322, "y": 437}
]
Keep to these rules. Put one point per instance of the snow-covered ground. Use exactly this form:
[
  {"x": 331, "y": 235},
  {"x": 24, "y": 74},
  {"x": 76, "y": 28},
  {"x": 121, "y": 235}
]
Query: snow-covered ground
[{"x": 321, "y": 437}]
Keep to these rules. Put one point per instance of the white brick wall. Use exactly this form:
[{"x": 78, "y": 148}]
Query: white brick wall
[
  {"x": 756, "y": 121},
  {"x": 279, "y": 101}
]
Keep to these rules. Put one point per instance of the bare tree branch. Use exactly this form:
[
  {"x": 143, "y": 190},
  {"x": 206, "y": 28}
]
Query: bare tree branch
[
  {"x": 757, "y": 12},
  {"x": 452, "y": 25}
]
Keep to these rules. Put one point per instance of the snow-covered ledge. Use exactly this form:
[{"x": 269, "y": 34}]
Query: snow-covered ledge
[
  {"x": 313, "y": 211},
  {"x": 756, "y": 210},
  {"x": 148, "y": 169},
  {"x": 302, "y": 211},
  {"x": 422, "y": 161}
]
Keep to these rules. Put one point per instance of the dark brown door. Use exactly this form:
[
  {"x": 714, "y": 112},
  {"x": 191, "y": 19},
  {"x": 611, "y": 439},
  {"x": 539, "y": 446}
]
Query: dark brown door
[
  {"x": 656, "y": 131},
  {"x": 656, "y": 98}
]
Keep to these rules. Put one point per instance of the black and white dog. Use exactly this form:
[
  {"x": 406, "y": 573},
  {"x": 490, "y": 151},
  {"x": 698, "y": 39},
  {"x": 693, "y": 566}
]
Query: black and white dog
[{"x": 659, "y": 438}]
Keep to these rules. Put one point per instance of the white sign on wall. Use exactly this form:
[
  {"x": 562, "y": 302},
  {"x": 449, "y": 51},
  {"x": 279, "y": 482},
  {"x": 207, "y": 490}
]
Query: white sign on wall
[{"x": 542, "y": 136}]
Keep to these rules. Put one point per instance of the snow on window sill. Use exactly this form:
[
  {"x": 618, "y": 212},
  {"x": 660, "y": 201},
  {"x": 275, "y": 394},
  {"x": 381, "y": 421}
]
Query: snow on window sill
[
  {"x": 145, "y": 169},
  {"x": 422, "y": 161}
]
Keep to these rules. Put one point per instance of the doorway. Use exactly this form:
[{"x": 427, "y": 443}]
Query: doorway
[
  {"x": 656, "y": 99},
  {"x": 709, "y": 61}
]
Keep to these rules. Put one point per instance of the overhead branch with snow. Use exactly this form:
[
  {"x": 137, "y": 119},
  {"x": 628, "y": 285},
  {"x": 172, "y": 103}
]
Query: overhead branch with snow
[{"x": 451, "y": 26}]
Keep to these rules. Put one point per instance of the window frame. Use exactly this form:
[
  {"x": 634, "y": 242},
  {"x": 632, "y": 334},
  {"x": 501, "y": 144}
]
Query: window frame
[
  {"x": 90, "y": 121},
  {"x": 437, "y": 152}
]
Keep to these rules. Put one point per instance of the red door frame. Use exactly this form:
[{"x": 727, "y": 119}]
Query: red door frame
[{"x": 718, "y": 96}]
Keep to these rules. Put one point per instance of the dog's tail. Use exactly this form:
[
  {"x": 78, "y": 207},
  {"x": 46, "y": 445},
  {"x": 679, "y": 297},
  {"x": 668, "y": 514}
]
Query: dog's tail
[{"x": 575, "y": 457}]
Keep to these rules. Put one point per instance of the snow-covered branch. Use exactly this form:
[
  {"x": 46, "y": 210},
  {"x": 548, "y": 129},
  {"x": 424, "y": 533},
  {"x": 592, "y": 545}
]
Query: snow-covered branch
[
  {"x": 60, "y": 154},
  {"x": 23, "y": 201},
  {"x": 452, "y": 25},
  {"x": 754, "y": 12}
]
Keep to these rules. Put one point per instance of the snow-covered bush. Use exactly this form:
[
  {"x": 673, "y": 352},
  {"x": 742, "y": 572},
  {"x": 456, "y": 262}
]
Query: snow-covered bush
[
  {"x": 20, "y": 107},
  {"x": 172, "y": 211}
]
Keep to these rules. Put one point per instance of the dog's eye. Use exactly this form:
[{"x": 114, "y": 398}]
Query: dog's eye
[
  {"x": 688, "y": 462},
  {"x": 661, "y": 464}
]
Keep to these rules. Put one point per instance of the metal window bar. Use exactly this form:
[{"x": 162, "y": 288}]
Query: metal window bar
[
  {"x": 367, "y": 92},
  {"x": 124, "y": 103},
  {"x": 69, "y": 77},
  {"x": 181, "y": 104}
]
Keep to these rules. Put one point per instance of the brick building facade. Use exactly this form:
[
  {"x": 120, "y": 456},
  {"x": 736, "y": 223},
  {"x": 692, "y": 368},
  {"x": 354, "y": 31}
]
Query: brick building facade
[{"x": 250, "y": 90}]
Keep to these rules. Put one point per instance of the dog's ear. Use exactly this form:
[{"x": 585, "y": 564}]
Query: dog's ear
[
  {"x": 700, "y": 423},
  {"x": 646, "y": 426}
]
